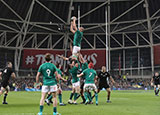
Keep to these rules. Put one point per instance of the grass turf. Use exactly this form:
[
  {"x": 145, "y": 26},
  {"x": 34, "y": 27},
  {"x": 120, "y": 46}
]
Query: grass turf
[{"x": 123, "y": 103}]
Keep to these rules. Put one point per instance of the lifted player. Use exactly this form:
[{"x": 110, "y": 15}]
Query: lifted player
[
  {"x": 90, "y": 76},
  {"x": 78, "y": 34},
  {"x": 50, "y": 77},
  {"x": 156, "y": 81},
  {"x": 6, "y": 74},
  {"x": 104, "y": 78}
]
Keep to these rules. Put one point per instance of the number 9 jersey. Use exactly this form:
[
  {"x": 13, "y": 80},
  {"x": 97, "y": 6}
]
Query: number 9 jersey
[{"x": 47, "y": 70}]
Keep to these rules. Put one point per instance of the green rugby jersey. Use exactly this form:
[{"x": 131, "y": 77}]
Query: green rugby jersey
[
  {"x": 89, "y": 75},
  {"x": 73, "y": 73},
  {"x": 77, "y": 38},
  {"x": 48, "y": 70},
  {"x": 84, "y": 66}
]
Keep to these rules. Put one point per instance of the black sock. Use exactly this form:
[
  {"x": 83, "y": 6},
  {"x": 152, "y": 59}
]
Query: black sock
[
  {"x": 108, "y": 97},
  {"x": 48, "y": 96},
  {"x": 155, "y": 92},
  {"x": 71, "y": 96},
  {"x": 5, "y": 96},
  {"x": 90, "y": 94},
  {"x": 93, "y": 96},
  {"x": 83, "y": 99}
]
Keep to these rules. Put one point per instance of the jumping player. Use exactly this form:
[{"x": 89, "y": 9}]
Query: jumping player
[
  {"x": 78, "y": 34},
  {"x": 5, "y": 75},
  {"x": 50, "y": 77},
  {"x": 156, "y": 81},
  {"x": 90, "y": 76},
  {"x": 104, "y": 78}
]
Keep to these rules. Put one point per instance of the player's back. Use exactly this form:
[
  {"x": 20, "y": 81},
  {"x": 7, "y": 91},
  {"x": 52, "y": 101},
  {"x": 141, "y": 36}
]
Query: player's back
[
  {"x": 84, "y": 66},
  {"x": 48, "y": 70},
  {"x": 77, "y": 38},
  {"x": 89, "y": 75},
  {"x": 73, "y": 71}
]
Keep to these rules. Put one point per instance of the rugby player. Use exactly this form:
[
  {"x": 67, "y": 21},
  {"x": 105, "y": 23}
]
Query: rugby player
[
  {"x": 156, "y": 81},
  {"x": 5, "y": 75}
]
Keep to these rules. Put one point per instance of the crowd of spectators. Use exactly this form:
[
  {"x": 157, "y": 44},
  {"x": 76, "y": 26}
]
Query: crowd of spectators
[{"x": 19, "y": 84}]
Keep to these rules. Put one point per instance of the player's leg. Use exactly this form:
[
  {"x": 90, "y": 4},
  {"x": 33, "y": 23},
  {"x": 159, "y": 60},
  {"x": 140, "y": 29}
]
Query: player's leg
[
  {"x": 99, "y": 89},
  {"x": 76, "y": 94},
  {"x": 109, "y": 94},
  {"x": 54, "y": 94},
  {"x": 2, "y": 90},
  {"x": 42, "y": 103},
  {"x": 45, "y": 90},
  {"x": 71, "y": 95},
  {"x": 158, "y": 89},
  {"x": 82, "y": 93},
  {"x": 60, "y": 97},
  {"x": 96, "y": 93},
  {"x": 5, "y": 96},
  {"x": 48, "y": 100},
  {"x": 155, "y": 89}
]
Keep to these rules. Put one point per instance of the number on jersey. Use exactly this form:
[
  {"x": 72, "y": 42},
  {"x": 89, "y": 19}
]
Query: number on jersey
[
  {"x": 48, "y": 72},
  {"x": 90, "y": 74},
  {"x": 5, "y": 71}
]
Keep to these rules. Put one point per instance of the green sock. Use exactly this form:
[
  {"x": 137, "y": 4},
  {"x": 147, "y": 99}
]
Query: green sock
[
  {"x": 86, "y": 96},
  {"x": 55, "y": 109},
  {"x": 96, "y": 96},
  {"x": 60, "y": 98},
  {"x": 50, "y": 97},
  {"x": 71, "y": 96},
  {"x": 41, "y": 108},
  {"x": 89, "y": 96},
  {"x": 75, "y": 96}
]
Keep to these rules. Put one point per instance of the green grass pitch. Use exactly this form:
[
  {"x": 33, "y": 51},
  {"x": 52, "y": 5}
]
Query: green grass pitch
[{"x": 123, "y": 103}]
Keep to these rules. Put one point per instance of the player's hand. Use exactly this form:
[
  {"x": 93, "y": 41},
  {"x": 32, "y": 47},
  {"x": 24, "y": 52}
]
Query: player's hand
[
  {"x": 59, "y": 55},
  {"x": 73, "y": 18},
  {"x": 37, "y": 85},
  {"x": 65, "y": 80},
  {"x": 151, "y": 84}
]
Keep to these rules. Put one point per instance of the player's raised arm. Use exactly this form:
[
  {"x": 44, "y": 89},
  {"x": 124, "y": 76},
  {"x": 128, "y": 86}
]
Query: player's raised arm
[
  {"x": 73, "y": 23},
  {"x": 71, "y": 47},
  {"x": 71, "y": 28},
  {"x": 64, "y": 58}
]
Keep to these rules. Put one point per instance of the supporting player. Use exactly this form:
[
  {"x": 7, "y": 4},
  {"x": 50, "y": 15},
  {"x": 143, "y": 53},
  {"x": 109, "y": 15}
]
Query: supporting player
[
  {"x": 6, "y": 74},
  {"x": 50, "y": 75},
  {"x": 78, "y": 34},
  {"x": 104, "y": 78},
  {"x": 84, "y": 66},
  {"x": 73, "y": 70},
  {"x": 90, "y": 76},
  {"x": 156, "y": 81}
]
